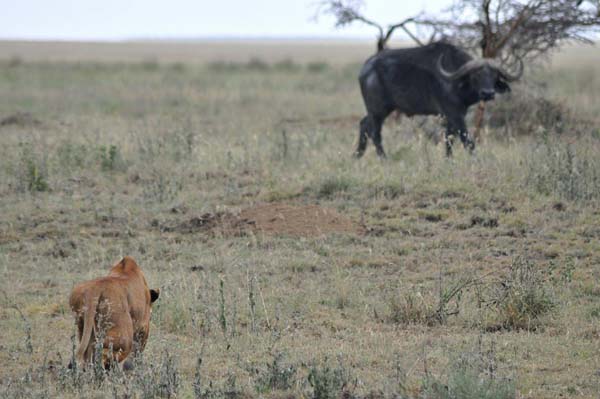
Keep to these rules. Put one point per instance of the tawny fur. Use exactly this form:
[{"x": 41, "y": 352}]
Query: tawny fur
[{"x": 117, "y": 307}]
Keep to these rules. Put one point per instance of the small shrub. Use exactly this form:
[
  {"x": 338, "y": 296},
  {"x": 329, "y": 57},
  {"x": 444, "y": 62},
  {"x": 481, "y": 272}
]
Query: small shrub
[
  {"x": 484, "y": 221},
  {"x": 415, "y": 308},
  {"x": 222, "y": 308},
  {"x": 594, "y": 313},
  {"x": 474, "y": 375},
  {"x": 276, "y": 376},
  {"x": 31, "y": 172},
  {"x": 197, "y": 384},
  {"x": 521, "y": 298},
  {"x": 568, "y": 171},
  {"x": 168, "y": 377},
  {"x": 155, "y": 380},
  {"x": 589, "y": 289},
  {"x": 36, "y": 179},
  {"x": 256, "y": 64},
  {"x": 317, "y": 66},
  {"x": 26, "y": 327},
  {"x": 228, "y": 389},
  {"x": 327, "y": 382},
  {"x": 15, "y": 61},
  {"x": 21, "y": 119},
  {"x": 161, "y": 188},
  {"x": 562, "y": 273},
  {"x": 286, "y": 65},
  {"x": 388, "y": 191},
  {"x": 432, "y": 216},
  {"x": 71, "y": 156},
  {"x": 468, "y": 384},
  {"x": 410, "y": 308},
  {"x": 523, "y": 113},
  {"x": 110, "y": 158},
  {"x": 331, "y": 186}
]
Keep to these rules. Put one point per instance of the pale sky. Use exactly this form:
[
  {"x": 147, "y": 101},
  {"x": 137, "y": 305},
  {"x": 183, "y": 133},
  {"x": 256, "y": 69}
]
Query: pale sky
[{"x": 188, "y": 19}]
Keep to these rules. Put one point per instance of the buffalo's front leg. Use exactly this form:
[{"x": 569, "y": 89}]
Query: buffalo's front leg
[
  {"x": 458, "y": 128},
  {"x": 468, "y": 143},
  {"x": 449, "y": 140}
]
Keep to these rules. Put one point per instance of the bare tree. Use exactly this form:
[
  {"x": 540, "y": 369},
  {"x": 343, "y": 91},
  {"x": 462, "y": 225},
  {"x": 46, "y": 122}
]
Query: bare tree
[
  {"x": 506, "y": 30},
  {"x": 347, "y": 12},
  {"x": 512, "y": 30}
]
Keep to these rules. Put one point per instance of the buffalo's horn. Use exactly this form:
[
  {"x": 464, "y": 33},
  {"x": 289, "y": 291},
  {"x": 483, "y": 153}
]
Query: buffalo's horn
[
  {"x": 510, "y": 77},
  {"x": 462, "y": 71}
]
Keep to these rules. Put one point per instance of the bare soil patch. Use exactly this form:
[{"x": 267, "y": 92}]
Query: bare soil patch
[
  {"x": 342, "y": 121},
  {"x": 299, "y": 220},
  {"x": 271, "y": 219}
]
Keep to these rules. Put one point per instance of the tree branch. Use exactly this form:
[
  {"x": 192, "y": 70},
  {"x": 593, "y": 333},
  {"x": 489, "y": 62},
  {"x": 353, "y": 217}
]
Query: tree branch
[{"x": 402, "y": 25}]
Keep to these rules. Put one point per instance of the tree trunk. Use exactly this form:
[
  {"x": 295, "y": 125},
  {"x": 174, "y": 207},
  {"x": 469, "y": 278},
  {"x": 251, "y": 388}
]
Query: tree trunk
[
  {"x": 488, "y": 50},
  {"x": 479, "y": 121}
]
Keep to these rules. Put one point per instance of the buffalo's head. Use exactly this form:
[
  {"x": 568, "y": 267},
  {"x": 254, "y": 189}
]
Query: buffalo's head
[{"x": 481, "y": 79}]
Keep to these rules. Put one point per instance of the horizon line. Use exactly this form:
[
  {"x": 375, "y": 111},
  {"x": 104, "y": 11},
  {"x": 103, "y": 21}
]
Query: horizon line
[{"x": 188, "y": 39}]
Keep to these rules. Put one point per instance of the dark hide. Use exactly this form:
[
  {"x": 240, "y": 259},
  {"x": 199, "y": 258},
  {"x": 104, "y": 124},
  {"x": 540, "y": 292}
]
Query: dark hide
[{"x": 410, "y": 81}]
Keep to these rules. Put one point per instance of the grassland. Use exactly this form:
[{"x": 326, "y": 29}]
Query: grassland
[{"x": 474, "y": 270}]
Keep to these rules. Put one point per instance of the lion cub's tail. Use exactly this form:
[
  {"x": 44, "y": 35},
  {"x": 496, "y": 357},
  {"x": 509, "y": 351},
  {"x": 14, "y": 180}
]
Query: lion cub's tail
[{"x": 90, "y": 306}]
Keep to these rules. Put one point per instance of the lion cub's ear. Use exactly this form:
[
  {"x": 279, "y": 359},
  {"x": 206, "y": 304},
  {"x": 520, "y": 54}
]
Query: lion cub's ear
[{"x": 154, "y": 293}]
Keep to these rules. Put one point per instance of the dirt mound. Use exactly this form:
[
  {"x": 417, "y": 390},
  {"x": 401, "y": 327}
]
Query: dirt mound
[
  {"x": 225, "y": 223},
  {"x": 298, "y": 220},
  {"x": 270, "y": 219},
  {"x": 21, "y": 119}
]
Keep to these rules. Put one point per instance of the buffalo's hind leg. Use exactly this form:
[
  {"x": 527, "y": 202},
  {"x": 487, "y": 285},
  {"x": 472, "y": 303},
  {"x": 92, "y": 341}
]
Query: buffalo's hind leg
[
  {"x": 376, "y": 123},
  {"x": 362, "y": 137},
  {"x": 370, "y": 126}
]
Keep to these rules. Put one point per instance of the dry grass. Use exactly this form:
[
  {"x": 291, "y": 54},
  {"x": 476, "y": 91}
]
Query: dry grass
[
  {"x": 119, "y": 150},
  {"x": 192, "y": 52}
]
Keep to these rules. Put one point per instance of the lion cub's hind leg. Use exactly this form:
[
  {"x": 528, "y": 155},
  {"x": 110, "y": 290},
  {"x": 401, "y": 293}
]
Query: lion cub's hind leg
[{"x": 118, "y": 342}]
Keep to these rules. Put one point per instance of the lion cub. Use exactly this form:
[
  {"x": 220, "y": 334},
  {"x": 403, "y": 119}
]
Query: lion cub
[{"x": 115, "y": 308}]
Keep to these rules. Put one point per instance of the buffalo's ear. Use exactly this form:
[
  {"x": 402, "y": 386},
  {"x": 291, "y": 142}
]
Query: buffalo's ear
[
  {"x": 501, "y": 86},
  {"x": 154, "y": 293}
]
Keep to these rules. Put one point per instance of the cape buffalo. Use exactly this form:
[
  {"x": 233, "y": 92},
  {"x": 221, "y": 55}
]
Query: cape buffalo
[{"x": 436, "y": 79}]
